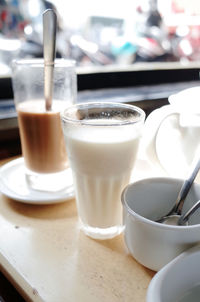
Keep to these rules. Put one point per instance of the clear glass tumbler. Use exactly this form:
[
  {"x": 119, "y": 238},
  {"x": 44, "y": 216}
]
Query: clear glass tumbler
[
  {"x": 41, "y": 132},
  {"x": 102, "y": 143}
]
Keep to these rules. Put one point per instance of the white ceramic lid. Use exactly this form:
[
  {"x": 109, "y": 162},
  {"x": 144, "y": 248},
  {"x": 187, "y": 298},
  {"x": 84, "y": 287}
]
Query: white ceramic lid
[{"x": 177, "y": 278}]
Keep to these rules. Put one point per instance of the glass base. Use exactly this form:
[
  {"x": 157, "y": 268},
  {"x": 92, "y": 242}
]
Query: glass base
[
  {"x": 102, "y": 233},
  {"x": 47, "y": 182}
]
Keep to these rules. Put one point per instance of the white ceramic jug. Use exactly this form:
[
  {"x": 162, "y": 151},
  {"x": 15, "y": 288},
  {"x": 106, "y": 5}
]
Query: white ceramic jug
[{"x": 172, "y": 133}]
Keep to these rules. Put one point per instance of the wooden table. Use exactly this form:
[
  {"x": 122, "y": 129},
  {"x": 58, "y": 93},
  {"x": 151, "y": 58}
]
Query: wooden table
[{"x": 45, "y": 255}]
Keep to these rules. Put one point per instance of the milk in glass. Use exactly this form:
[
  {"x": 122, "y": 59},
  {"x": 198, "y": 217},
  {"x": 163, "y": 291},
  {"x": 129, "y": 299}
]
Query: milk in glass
[{"x": 101, "y": 159}]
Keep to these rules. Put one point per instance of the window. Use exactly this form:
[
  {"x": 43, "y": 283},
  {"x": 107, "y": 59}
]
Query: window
[
  {"x": 106, "y": 35},
  {"x": 138, "y": 47}
]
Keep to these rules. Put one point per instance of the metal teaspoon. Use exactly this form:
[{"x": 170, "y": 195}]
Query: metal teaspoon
[
  {"x": 49, "y": 42},
  {"x": 177, "y": 209}
]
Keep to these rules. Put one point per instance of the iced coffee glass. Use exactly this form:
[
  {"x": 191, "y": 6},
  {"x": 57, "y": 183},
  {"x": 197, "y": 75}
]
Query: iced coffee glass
[
  {"x": 102, "y": 143},
  {"x": 41, "y": 134}
]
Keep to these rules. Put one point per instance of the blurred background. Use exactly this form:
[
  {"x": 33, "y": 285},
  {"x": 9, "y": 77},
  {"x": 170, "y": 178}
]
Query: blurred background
[
  {"x": 133, "y": 51},
  {"x": 103, "y": 33}
]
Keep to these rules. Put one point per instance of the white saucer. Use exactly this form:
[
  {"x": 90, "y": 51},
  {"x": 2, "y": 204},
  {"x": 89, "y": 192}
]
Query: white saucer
[{"x": 13, "y": 185}]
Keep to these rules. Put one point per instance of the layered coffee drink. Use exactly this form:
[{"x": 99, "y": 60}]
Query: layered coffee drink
[
  {"x": 45, "y": 164},
  {"x": 41, "y": 136}
]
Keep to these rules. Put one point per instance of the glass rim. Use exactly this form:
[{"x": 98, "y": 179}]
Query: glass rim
[
  {"x": 89, "y": 105},
  {"x": 39, "y": 62}
]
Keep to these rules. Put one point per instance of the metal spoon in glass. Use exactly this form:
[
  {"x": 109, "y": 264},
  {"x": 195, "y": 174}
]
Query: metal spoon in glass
[
  {"x": 177, "y": 209},
  {"x": 49, "y": 41},
  {"x": 183, "y": 219}
]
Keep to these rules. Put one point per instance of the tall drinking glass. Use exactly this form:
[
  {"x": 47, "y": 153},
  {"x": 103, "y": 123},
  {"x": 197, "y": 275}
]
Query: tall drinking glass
[
  {"x": 41, "y": 132},
  {"x": 102, "y": 142}
]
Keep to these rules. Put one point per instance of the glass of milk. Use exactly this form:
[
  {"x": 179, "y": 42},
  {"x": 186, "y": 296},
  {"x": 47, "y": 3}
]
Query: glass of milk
[
  {"x": 41, "y": 134},
  {"x": 102, "y": 143}
]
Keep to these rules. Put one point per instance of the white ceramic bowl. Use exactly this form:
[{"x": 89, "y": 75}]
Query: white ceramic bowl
[
  {"x": 178, "y": 281},
  {"x": 151, "y": 243}
]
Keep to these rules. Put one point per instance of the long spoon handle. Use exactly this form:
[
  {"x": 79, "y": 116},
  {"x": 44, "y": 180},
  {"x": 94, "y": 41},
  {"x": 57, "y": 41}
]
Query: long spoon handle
[
  {"x": 186, "y": 187},
  {"x": 49, "y": 45},
  {"x": 184, "y": 218}
]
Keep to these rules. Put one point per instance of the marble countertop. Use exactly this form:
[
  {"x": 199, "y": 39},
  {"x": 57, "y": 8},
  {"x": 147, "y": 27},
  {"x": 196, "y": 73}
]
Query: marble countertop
[{"x": 47, "y": 257}]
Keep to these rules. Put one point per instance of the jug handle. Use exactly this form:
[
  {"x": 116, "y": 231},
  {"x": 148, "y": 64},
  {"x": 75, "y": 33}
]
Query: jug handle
[{"x": 151, "y": 129}]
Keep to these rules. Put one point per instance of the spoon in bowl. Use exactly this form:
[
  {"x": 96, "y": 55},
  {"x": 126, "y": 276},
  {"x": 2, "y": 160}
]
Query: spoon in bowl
[
  {"x": 177, "y": 209},
  {"x": 182, "y": 220}
]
